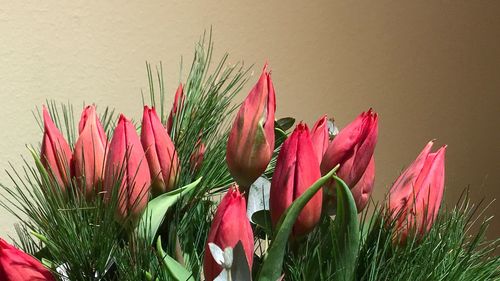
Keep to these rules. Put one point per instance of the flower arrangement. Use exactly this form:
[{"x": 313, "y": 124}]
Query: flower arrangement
[{"x": 200, "y": 193}]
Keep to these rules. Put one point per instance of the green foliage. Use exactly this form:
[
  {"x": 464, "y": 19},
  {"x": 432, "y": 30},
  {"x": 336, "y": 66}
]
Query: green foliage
[
  {"x": 155, "y": 212},
  {"x": 451, "y": 251},
  {"x": 171, "y": 266},
  {"x": 205, "y": 115},
  {"x": 345, "y": 233},
  {"x": 78, "y": 235}
]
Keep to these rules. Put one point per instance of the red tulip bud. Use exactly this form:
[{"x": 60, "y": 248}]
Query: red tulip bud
[
  {"x": 90, "y": 151},
  {"x": 126, "y": 162},
  {"x": 353, "y": 149},
  {"x": 196, "y": 158},
  {"x": 160, "y": 153},
  {"x": 16, "y": 265},
  {"x": 320, "y": 137},
  {"x": 86, "y": 113},
  {"x": 178, "y": 104},
  {"x": 251, "y": 141},
  {"x": 415, "y": 197},
  {"x": 56, "y": 153},
  {"x": 230, "y": 225},
  {"x": 296, "y": 169}
]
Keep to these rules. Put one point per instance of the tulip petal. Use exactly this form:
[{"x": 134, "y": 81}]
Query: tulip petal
[
  {"x": 160, "y": 152},
  {"x": 89, "y": 153},
  {"x": 296, "y": 169},
  {"x": 363, "y": 189},
  {"x": 56, "y": 154},
  {"x": 126, "y": 159},
  {"x": 15, "y": 265},
  {"x": 320, "y": 137}
]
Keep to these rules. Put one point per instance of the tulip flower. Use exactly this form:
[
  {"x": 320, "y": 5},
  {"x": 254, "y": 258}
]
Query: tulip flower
[
  {"x": 90, "y": 151},
  {"x": 415, "y": 197},
  {"x": 176, "y": 107},
  {"x": 230, "y": 225},
  {"x": 55, "y": 153},
  {"x": 160, "y": 153},
  {"x": 196, "y": 158},
  {"x": 16, "y": 265},
  {"x": 296, "y": 169},
  {"x": 320, "y": 137},
  {"x": 353, "y": 149},
  {"x": 250, "y": 144},
  {"x": 126, "y": 164}
]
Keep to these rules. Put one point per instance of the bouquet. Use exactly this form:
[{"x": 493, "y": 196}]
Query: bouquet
[{"x": 213, "y": 190}]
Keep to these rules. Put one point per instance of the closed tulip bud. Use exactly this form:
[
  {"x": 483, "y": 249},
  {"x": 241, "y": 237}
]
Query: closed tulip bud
[
  {"x": 16, "y": 265},
  {"x": 296, "y": 170},
  {"x": 353, "y": 149},
  {"x": 126, "y": 162},
  {"x": 160, "y": 153},
  {"x": 320, "y": 137},
  {"x": 85, "y": 117},
  {"x": 251, "y": 141},
  {"x": 90, "y": 151},
  {"x": 230, "y": 225},
  {"x": 196, "y": 158},
  {"x": 415, "y": 197},
  {"x": 176, "y": 107},
  {"x": 55, "y": 153}
]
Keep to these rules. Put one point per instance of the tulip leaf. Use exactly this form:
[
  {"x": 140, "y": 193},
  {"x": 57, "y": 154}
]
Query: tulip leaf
[
  {"x": 263, "y": 220},
  {"x": 154, "y": 214},
  {"x": 346, "y": 232},
  {"x": 285, "y": 123},
  {"x": 174, "y": 269},
  {"x": 273, "y": 261}
]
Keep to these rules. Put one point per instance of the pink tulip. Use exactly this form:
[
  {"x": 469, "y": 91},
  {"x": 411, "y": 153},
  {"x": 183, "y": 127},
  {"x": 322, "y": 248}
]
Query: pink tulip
[
  {"x": 55, "y": 153},
  {"x": 251, "y": 141},
  {"x": 197, "y": 156},
  {"x": 126, "y": 162},
  {"x": 160, "y": 153},
  {"x": 415, "y": 197},
  {"x": 16, "y": 265},
  {"x": 296, "y": 169},
  {"x": 176, "y": 107},
  {"x": 90, "y": 151},
  {"x": 353, "y": 149},
  {"x": 320, "y": 137},
  {"x": 230, "y": 225}
]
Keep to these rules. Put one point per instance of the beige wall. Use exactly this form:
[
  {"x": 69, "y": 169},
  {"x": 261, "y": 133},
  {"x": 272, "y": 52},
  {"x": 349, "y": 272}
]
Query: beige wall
[{"x": 430, "y": 69}]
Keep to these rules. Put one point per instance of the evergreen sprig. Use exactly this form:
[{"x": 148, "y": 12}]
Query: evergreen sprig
[{"x": 452, "y": 250}]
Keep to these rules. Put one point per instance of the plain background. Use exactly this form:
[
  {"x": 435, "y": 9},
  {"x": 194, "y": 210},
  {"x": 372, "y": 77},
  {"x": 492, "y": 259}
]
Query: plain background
[{"x": 431, "y": 70}]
